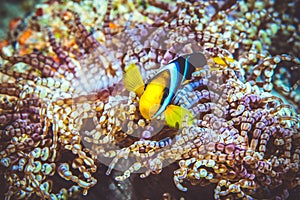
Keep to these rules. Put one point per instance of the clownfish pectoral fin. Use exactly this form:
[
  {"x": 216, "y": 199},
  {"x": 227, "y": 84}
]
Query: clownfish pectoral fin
[
  {"x": 221, "y": 61},
  {"x": 133, "y": 80},
  {"x": 175, "y": 116}
]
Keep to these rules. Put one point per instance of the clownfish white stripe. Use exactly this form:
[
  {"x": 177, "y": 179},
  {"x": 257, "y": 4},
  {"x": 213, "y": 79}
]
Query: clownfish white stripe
[{"x": 172, "y": 68}]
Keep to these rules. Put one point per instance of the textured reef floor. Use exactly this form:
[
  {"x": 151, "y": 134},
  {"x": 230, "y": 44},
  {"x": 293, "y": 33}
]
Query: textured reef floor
[{"x": 69, "y": 128}]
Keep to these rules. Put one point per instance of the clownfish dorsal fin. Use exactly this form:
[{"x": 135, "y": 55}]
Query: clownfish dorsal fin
[
  {"x": 221, "y": 61},
  {"x": 174, "y": 116},
  {"x": 133, "y": 80}
]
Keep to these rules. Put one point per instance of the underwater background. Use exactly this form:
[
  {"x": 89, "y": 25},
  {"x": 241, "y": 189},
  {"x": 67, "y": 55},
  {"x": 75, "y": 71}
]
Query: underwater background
[{"x": 70, "y": 129}]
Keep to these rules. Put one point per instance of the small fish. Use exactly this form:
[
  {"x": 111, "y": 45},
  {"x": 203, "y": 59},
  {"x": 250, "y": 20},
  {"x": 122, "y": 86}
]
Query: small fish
[
  {"x": 156, "y": 96},
  {"x": 220, "y": 61}
]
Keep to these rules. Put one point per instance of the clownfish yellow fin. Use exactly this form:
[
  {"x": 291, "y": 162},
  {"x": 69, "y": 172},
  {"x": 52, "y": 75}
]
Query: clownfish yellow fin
[
  {"x": 133, "y": 80},
  {"x": 221, "y": 61},
  {"x": 175, "y": 115}
]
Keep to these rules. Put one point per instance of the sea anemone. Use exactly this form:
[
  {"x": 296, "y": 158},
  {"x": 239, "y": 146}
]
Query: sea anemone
[{"x": 64, "y": 110}]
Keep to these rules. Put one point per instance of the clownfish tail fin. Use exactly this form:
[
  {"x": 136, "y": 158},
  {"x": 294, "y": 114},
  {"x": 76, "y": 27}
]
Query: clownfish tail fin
[
  {"x": 175, "y": 115},
  {"x": 133, "y": 80}
]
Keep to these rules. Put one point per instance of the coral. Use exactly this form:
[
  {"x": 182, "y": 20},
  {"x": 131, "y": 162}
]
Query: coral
[{"x": 64, "y": 110}]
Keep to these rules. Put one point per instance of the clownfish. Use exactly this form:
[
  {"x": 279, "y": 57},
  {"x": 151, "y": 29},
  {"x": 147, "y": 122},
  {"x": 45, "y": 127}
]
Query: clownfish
[{"x": 157, "y": 94}]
